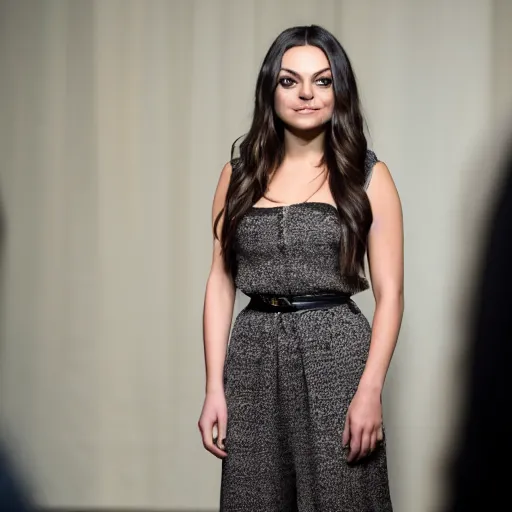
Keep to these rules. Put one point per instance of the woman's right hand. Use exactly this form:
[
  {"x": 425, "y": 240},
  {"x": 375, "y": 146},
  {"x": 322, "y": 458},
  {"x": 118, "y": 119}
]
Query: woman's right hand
[{"x": 214, "y": 413}]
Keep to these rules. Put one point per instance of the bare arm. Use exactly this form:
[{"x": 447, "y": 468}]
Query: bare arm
[
  {"x": 363, "y": 425},
  {"x": 217, "y": 315},
  {"x": 385, "y": 257},
  {"x": 219, "y": 299}
]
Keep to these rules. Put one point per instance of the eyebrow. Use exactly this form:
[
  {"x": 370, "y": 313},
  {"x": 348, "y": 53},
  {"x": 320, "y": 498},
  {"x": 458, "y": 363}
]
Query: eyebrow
[{"x": 294, "y": 73}]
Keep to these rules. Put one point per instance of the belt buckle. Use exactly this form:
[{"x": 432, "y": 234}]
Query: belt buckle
[{"x": 280, "y": 301}]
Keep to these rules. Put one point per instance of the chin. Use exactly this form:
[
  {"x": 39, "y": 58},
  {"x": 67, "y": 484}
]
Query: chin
[{"x": 305, "y": 125}]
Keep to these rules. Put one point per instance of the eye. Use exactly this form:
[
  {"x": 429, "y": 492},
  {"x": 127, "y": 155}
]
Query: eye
[
  {"x": 324, "y": 82},
  {"x": 286, "y": 81}
]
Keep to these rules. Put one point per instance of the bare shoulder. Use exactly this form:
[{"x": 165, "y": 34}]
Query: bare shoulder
[
  {"x": 226, "y": 170},
  {"x": 382, "y": 186}
]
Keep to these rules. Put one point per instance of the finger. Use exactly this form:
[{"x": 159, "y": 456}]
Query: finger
[
  {"x": 380, "y": 434},
  {"x": 210, "y": 445},
  {"x": 356, "y": 433},
  {"x": 222, "y": 424},
  {"x": 365, "y": 444},
  {"x": 215, "y": 433},
  {"x": 217, "y": 441},
  {"x": 373, "y": 442},
  {"x": 209, "y": 436},
  {"x": 346, "y": 432}
]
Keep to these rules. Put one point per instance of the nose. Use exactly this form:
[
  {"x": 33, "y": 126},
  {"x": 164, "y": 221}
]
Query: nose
[{"x": 306, "y": 92}]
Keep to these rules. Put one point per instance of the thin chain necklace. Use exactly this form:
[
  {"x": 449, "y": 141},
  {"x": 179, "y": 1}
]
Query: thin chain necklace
[{"x": 306, "y": 200}]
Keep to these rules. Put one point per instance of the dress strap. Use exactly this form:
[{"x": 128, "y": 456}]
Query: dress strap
[{"x": 370, "y": 161}]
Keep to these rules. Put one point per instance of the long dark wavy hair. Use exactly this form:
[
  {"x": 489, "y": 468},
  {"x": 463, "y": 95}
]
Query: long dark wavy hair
[{"x": 262, "y": 151}]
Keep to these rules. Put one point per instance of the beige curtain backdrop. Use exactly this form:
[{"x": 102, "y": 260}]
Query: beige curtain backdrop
[{"x": 116, "y": 117}]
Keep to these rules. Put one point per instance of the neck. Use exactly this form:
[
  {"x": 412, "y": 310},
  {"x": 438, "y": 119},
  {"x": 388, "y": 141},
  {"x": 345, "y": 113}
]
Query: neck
[{"x": 301, "y": 144}]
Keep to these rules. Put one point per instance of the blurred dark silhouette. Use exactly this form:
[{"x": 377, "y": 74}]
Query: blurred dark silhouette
[
  {"x": 13, "y": 496},
  {"x": 480, "y": 474}
]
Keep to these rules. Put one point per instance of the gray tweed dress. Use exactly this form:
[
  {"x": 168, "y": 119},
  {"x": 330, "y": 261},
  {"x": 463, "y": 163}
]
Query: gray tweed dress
[{"x": 290, "y": 377}]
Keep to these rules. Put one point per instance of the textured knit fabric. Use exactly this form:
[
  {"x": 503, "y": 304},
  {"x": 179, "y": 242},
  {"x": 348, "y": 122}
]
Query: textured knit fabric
[{"x": 290, "y": 377}]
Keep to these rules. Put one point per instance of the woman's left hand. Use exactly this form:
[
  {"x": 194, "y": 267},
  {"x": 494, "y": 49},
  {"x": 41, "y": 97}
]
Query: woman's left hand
[{"x": 363, "y": 425}]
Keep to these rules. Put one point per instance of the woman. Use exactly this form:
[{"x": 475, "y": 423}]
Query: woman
[{"x": 293, "y": 405}]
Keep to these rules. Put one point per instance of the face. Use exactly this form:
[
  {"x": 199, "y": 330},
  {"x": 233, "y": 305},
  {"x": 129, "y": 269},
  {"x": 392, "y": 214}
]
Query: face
[{"x": 304, "y": 97}]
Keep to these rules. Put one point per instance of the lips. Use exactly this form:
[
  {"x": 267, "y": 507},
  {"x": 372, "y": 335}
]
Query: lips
[{"x": 306, "y": 110}]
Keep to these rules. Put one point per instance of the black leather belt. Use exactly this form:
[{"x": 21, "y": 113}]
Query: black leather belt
[{"x": 287, "y": 303}]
